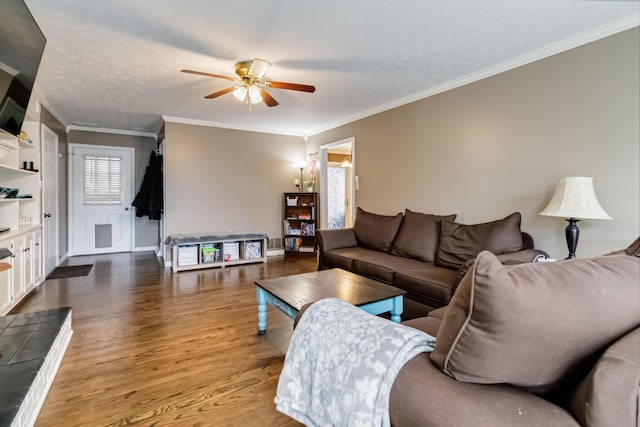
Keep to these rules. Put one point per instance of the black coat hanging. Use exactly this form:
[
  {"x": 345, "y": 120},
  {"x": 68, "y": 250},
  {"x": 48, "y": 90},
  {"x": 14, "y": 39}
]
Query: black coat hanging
[{"x": 149, "y": 200}]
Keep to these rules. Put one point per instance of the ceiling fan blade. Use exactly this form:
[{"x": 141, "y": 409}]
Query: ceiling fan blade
[
  {"x": 201, "y": 73},
  {"x": 220, "y": 92},
  {"x": 258, "y": 68},
  {"x": 268, "y": 99},
  {"x": 291, "y": 86}
]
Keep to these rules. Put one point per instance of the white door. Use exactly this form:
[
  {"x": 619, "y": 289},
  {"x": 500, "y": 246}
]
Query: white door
[
  {"x": 101, "y": 195},
  {"x": 49, "y": 199}
]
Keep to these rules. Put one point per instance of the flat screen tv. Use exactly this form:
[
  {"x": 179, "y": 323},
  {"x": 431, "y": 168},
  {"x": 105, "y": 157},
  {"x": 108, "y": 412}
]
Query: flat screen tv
[{"x": 21, "y": 47}]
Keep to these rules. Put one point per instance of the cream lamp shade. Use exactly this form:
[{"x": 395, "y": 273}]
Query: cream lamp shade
[{"x": 574, "y": 199}]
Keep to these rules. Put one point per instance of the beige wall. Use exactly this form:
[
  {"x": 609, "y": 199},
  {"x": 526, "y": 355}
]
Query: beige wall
[
  {"x": 498, "y": 145},
  {"x": 147, "y": 231},
  {"x": 221, "y": 179}
]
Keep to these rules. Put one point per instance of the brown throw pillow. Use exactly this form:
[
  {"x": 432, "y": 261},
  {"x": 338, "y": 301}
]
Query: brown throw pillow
[
  {"x": 633, "y": 249},
  {"x": 460, "y": 242},
  {"x": 376, "y": 231},
  {"x": 534, "y": 325},
  {"x": 419, "y": 235}
]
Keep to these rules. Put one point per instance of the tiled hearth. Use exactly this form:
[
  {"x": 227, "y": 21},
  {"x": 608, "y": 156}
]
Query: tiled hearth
[{"x": 32, "y": 346}]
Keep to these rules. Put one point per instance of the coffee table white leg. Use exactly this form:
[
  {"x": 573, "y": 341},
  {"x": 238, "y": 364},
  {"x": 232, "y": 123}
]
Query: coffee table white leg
[
  {"x": 262, "y": 311},
  {"x": 396, "y": 309}
]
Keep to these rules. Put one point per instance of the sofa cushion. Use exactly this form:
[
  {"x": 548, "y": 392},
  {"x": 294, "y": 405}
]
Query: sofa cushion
[
  {"x": 460, "y": 242},
  {"x": 426, "y": 324},
  {"x": 535, "y": 325},
  {"x": 422, "y": 396},
  {"x": 428, "y": 281},
  {"x": 382, "y": 266},
  {"x": 608, "y": 396},
  {"x": 375, "y": 231},
  {"x": 343, "y": 257},
  {"x": 438, "y": 313},
  {"x": 419, "y": 235}
]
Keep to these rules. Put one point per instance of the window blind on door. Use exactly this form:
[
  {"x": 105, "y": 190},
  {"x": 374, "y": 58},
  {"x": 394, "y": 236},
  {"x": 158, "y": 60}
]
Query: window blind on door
[{"x": 102, "y": 180}]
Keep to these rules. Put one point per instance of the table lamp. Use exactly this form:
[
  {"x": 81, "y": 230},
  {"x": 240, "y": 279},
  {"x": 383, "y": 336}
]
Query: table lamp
[{"x": 574, "y": 198}]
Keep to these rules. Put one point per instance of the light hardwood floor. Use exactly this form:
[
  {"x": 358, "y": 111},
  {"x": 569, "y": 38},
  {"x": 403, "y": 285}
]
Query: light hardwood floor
[{"x": 152, "y": 348}]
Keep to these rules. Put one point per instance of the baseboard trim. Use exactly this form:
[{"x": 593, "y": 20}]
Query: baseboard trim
[
  {"x": 275, "y": 252},
  {"x": 146, "y": 249},
  {"x": 62, "y": 259}
]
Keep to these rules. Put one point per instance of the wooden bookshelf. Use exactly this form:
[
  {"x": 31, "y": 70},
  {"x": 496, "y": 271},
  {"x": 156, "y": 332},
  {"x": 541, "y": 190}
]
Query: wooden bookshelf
[{"x": 300, "y": 222}]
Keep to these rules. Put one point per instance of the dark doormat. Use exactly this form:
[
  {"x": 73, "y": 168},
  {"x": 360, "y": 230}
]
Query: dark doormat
[{"x": 70, "y": 271}]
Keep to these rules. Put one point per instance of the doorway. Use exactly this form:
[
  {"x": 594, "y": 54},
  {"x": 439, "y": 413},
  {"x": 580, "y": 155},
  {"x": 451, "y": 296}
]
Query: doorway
[
  {"x": 337, "y": 201},
  {"x": 49, "y": 199},
  {"x": 101, "y": 190}
]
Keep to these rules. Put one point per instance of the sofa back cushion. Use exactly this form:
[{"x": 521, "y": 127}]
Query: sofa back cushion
[
  {"x": 609, "y": 396},
  {"x": 375, "y": 231},
  {"x": 460, "y": 242},
  {"x": 536, "y": 325},
  {"x": 419, "y": 236}
]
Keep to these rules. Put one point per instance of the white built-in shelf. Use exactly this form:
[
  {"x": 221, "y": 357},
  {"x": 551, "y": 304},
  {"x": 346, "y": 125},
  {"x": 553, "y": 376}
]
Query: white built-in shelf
[
  {"x": 10, "y": 172},
  {"x": 25, "y": 144},
  {"x": 17, "y": 199}
]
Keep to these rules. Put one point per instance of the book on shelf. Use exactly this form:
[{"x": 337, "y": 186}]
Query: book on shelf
[
  {"x": 307, "y": 249},
  {"x": 292, "y": 244},
  {"x": 308, "y": 229}
]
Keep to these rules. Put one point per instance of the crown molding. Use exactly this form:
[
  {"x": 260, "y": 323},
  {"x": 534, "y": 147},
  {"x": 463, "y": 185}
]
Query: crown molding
[
  {"x": 536, "y": 55},
  {"x": 42, "y": 100},
  {"x": 112, "y": 131},
  {"x": 182, "y": 120}
]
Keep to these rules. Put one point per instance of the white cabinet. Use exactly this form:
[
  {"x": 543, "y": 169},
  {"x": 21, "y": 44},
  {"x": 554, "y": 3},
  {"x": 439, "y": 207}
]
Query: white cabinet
[
  {"x": 26, "y": 266},
  {"x": 18, "y": 285},
  {"x": 36, "y": 257},
  {"x": 5, "y": 289},
  {"x": 19, "y": 169}
]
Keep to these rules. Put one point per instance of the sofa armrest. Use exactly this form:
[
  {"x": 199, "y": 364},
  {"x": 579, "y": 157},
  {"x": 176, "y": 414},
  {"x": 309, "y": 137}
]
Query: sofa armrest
[{"x": 336, "y": 238}]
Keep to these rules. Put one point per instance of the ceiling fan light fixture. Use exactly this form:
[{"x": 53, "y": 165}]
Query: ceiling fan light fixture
[
  {"x": 254, "y": 94},
  {"x": 240, "y": 93},
  {"x": 258, "y": 68}
]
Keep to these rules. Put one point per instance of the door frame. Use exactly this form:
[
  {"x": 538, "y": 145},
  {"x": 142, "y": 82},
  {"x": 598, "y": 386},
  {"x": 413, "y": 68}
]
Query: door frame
[
  {"x": 324, "y": 163},
  {"x": 56, "y": 223},
  {"x": 71, "y": 189}
]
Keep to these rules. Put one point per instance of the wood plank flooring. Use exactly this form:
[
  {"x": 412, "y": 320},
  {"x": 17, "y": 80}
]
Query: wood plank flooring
[{"x": 152, "y": 348}]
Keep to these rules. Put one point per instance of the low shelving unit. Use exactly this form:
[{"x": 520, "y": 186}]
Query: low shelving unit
[{"x": 209, "y": 250}]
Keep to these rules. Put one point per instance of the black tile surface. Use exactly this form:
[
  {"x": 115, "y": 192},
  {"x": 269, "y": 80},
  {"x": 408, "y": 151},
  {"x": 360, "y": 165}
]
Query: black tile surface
[{"x": 25, "y": 340}]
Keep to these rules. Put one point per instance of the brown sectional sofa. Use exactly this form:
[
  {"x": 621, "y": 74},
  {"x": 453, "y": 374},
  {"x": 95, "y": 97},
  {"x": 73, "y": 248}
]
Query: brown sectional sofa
[
  {"x": 425, "y": 255},
  {"x": 537, "y": 344},
  {"x": 545, "y": 344}
]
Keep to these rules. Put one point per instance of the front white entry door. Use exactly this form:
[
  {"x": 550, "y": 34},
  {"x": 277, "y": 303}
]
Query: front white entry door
[
  {"x": 49, "y": 199},
  {"x": 101, "y": 194}
]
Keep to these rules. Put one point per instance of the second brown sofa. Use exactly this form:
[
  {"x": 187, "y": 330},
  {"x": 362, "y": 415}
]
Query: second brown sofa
[{"x": 425, "y": 255}]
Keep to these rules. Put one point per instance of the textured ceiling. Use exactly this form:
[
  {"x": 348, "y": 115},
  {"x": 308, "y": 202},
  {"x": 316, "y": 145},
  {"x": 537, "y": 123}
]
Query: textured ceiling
[{"x": 116, "y": 63}]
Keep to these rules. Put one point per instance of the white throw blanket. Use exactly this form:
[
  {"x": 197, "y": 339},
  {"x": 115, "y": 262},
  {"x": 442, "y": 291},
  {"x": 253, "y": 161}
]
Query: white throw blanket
[{"x": 341, "y": 363}]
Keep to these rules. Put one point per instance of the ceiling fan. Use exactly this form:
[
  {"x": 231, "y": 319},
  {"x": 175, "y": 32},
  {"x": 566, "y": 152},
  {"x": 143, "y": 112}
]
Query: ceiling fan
[{"x": 249, "y": 86}]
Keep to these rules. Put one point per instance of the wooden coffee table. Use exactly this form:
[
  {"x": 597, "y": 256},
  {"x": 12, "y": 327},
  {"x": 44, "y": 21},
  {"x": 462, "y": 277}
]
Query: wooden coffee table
[{"x": 290, "y": 293}]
